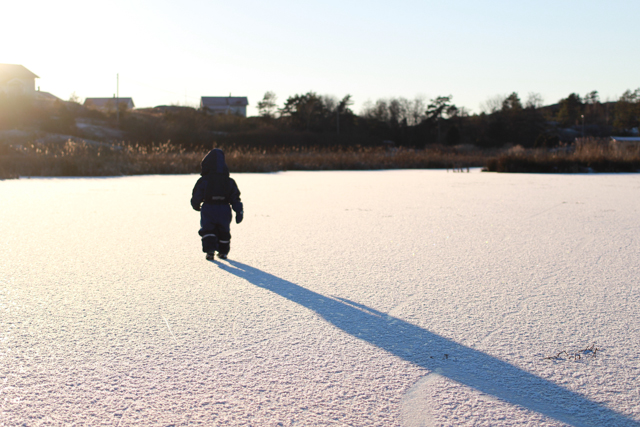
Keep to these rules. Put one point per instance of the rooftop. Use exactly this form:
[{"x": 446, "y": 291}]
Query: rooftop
[{"x": 11, "y": 71}]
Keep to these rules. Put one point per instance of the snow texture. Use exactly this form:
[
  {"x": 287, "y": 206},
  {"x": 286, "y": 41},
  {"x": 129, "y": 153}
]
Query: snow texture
[{"x": 384, "y": 298}]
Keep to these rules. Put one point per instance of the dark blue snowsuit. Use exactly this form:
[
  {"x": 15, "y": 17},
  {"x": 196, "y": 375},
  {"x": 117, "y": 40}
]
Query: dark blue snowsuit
[{"x": 214, "y": 195}]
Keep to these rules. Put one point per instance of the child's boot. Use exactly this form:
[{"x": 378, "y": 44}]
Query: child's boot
[{"x": 209, "y": 242}]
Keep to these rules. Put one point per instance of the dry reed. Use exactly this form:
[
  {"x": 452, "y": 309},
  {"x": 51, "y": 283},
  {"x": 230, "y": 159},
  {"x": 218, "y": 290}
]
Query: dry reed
[
  {"x": 586, "y": 155},
  {"x": 82, "y": 159}
]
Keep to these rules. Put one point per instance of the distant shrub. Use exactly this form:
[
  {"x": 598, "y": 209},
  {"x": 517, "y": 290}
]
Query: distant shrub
[{"x": 586, "y": 155}]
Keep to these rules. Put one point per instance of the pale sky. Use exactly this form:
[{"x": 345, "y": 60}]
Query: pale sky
[{"x": 170, "y": 52}]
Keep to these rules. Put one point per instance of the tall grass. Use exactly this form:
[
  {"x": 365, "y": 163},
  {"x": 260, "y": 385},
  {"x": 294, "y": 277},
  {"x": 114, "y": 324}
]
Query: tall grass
[
  {"x": 351, "y": 159},
  {"x": 585, "y": 155},
  {"x": 82, "y": 159}
]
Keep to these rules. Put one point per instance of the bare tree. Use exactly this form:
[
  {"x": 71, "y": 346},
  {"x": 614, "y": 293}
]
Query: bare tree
[
  {"x": 267, "y": 107},
  {"x": 462, "y": 112},
  {"x": 74, "y": 98},
  {"x": 329, "y": 102},
  {"x": 367, "y": 107},
  {"x": 493, "y": 104},
  {"x": 378, "y": 111},
  {"x": 395, "y": 111},
  {"x": 534, "y": 100},
  {"x": 405, "y": 108},
  {"x": 416, "y": 110}
]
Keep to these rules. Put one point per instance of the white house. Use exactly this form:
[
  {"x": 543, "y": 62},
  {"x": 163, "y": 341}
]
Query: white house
[
  {"x": 17, "y": 80},
  {"x": 109, "y": 104},
  {"x": 225, "y": 105}
]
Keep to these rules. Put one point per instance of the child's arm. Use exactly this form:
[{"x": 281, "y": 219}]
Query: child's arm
[
  {"x": 197, "y": 196},
  {"x": 236, "y": 203}
]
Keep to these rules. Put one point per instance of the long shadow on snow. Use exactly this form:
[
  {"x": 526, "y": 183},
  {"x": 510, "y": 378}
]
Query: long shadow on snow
[{"x": 426, "y": 349}]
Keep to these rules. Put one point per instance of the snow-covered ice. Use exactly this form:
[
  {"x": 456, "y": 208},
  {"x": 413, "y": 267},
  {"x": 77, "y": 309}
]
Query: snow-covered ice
[{"x": 383, "y": 298}]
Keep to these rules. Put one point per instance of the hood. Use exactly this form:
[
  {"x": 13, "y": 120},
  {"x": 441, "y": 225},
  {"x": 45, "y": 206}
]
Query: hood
[{"x": 214, "y": 162}]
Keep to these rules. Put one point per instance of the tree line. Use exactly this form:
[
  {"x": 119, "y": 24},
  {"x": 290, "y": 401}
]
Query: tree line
[
  {"x": 417, "y": 122},
  {"x": 310, "y": 119}
]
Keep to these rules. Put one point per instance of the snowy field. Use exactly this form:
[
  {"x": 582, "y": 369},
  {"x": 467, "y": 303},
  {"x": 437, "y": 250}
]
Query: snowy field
[{"x": 386, "y": 298}]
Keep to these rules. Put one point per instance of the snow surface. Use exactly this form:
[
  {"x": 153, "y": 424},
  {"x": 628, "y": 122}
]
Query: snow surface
[{"x": 384, "y": 298}]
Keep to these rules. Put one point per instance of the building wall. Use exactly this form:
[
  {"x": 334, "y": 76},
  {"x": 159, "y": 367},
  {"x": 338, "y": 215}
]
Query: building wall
[
  {"x": 231, "y": 109},
  {"x": 19, "y": 86}
]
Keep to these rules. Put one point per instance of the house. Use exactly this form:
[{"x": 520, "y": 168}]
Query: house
[
  {"x": 17, "y": 80},
  {"x": 46, "y": 97},
  {"x": 225, "y": 105},
  {"x": 108, "y": 105}
]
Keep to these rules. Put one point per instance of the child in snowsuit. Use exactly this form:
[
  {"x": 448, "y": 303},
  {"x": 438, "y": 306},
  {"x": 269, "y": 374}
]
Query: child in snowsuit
[{"x": 214, "y": 195}]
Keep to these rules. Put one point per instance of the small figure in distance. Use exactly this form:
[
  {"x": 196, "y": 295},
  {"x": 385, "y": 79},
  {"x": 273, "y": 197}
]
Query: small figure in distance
[{"x": 214, "y": 195}]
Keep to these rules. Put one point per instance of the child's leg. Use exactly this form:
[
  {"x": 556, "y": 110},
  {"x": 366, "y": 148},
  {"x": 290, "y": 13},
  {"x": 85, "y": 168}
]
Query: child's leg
[
  {"x": 208, "y": 234},
  {"x": 224, "y": 238},
  {"x": 209, "y": 241}
]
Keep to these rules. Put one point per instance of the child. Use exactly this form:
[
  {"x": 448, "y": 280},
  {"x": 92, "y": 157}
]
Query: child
[{"x": 214, "y": 195}]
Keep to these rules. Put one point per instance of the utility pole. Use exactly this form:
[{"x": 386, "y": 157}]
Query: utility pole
[
  {"x": 582, "y": 125},
  {"x": 117, "y": 97},
  {"x": 338, "y": 121}
]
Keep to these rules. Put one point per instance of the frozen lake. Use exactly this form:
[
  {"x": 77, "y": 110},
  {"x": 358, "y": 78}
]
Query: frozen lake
[{"x": 384, "y": 298}]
